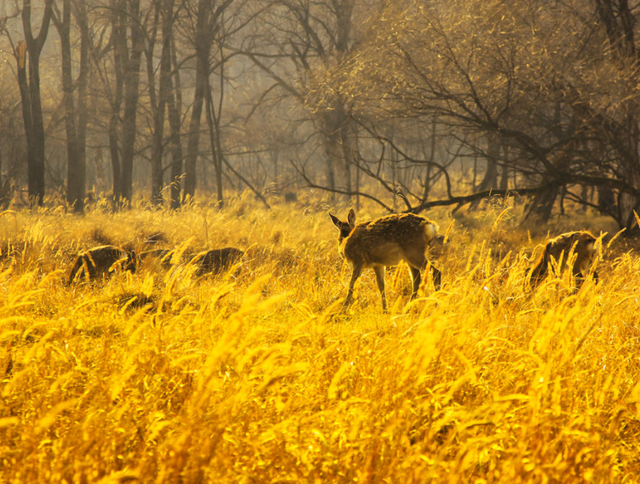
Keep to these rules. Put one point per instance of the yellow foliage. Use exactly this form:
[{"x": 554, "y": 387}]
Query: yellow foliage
[{"x": 259, "y": 375}]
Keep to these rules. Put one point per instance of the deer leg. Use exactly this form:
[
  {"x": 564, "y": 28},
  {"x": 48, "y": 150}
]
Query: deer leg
[
  {"x": 415, "y": 277},
  {"x": 379, "y": 270},
  {"x": 417, "y": 263},
  {"x": 580, "y": 276},
  {"x": 354, "y": 277},
  {"x": 437, "y": 278},
  {"x": 91, "y": 270},
  {"x": 586, "y": 268}
]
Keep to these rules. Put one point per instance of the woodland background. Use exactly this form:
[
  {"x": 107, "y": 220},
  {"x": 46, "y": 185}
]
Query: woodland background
[{"x": 411, "y": 104}]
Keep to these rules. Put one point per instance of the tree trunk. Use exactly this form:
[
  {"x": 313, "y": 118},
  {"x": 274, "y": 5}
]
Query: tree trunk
[
  {"x": 627, "y": 202},
  {"x": 606, "y": 201},
  {"x": 158, "y": 98},
  {"x": 64, "y": 29},
  {"x": 203, "y": 42},
  {"x": 174, "y": 101},
  {"x": 83, "y": 115},
  {"x": 335, "y": 123},
  {"x": 504, "y": 175},
  {"x": 118, "y": 41},
  {"x": 23, "y": 83},
  {"x": 37, "y": 167},
  {"x": 31, "y": 100},
  {"x": 214, "y": 138},
  {"x": 432, "y": 155},
  {"x": 490, "y": 179},
  {"x": 336, "y": 140},
  {"x": 193, "y": 141},
  {"x": 131, "y": 94},
  {"x": 540, "y": 206},
  {"x": 76, "y": 132}
]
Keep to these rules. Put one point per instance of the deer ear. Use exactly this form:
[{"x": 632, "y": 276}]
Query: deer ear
[
  {"x": 352, "y": 217},
  {"x": 335, "y": 220}
]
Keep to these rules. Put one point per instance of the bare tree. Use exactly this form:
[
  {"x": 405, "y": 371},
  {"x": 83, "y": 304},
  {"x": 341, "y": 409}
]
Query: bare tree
[
  {"x": 297, "y": 43},
  {"x": 163, "y": 20},
  {"x": 203, "y": 36},
  {"x": 117, "y": 62},
  {"x": 622, "y": 130},
  {"x": 28, "y": 57},
  {"x": 75, "y": 113},
  {"x": 550, "y": 80},
  {"x": 131, "y": 73},
  {"x": 217, "y": 26},
  {"x": 174, "y": 105}
]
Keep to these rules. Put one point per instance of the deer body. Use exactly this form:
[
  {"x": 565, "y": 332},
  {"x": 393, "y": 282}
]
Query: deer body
[
  {"x": 582, "y": 243},
  {"x": 98, "y": 261},
  {"x": 216, "y": 261},
  {"x": 385, "y": 242}
]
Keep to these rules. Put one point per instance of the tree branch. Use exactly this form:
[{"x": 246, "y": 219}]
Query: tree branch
[{"x": 463, "y": 200}]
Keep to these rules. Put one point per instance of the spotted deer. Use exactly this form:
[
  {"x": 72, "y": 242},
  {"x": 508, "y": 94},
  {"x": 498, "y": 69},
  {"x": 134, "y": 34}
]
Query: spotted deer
[
  {"x": 216, "y": 261},
  {"x": 100, "y": 262},
  {"x": 579, "y": 248},
  {"x": 385, "y": 242}
]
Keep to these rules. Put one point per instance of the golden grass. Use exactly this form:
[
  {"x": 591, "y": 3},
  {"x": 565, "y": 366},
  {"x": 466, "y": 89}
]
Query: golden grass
[{"x": 158, "y": 377}]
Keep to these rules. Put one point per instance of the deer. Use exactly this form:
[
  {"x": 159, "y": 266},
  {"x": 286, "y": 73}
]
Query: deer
[
  {"x": 385, "y": 242},
  {"x": 100, "y": 262},
  {"x": 575, "y": 248},
  {"x": 216, "y": 261}
]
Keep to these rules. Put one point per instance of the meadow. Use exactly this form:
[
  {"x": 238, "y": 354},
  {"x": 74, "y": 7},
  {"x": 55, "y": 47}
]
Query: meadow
[{"x": 259, "y": 376}]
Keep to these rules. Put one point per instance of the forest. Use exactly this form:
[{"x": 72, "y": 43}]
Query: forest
[{"x": 410, "y": 104}]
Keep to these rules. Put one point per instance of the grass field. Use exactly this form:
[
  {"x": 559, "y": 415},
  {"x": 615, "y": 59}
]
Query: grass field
[{"x": 259, "y": 376}]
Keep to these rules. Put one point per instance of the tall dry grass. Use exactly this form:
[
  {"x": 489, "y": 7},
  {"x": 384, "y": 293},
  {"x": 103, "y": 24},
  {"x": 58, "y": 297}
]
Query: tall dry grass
[{"x": 260, "y": 377}]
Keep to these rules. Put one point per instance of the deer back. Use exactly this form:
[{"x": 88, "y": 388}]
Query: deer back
[
  {"x": 98, "y": 261},
  {"x": 582, "y": 243},
  {"x": 216, "y": 261},
  {"x": 388, "y": 240}
]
